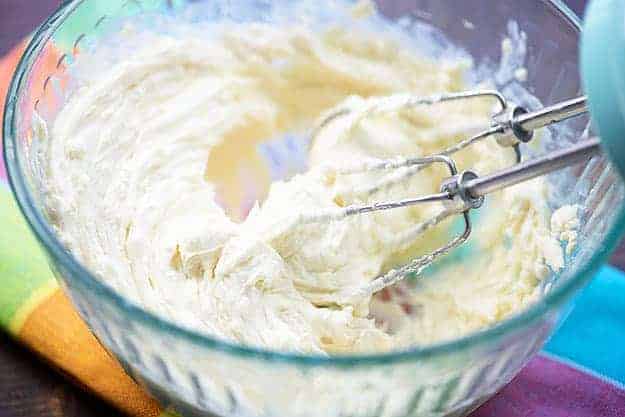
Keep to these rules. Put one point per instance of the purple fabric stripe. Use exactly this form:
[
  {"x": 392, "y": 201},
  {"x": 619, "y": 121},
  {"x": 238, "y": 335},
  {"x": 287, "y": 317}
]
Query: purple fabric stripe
[{"x": 550, "y": 388}]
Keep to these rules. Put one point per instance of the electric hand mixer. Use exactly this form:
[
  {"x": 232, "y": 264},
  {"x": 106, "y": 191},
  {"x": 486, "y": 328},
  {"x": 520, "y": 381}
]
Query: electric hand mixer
[{"x": 464, "y": 191}]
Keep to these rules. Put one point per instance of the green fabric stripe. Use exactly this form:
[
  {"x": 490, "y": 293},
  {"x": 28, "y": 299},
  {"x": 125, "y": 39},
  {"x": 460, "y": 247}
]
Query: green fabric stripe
[{"x": 23, "y": 267}]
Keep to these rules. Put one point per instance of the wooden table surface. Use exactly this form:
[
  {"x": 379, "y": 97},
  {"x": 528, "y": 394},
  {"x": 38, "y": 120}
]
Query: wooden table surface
[{"x": 28, "y": 387}]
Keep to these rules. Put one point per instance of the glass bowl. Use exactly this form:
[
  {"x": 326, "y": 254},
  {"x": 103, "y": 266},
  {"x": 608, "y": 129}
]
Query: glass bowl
[{"x": 200, "y": 375}]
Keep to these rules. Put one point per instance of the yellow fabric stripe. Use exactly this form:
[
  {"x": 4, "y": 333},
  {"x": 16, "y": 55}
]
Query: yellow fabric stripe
[{"x": 37, "y": 297}]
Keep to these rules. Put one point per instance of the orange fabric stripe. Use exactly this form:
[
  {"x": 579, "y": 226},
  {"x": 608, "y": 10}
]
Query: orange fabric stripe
[
  {"x": 56, "y": 332},
  {"x": 7, "y": 66}
]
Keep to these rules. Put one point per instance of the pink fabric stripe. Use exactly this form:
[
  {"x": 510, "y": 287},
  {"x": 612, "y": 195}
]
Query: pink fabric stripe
[{"x": 3, "y": 172}]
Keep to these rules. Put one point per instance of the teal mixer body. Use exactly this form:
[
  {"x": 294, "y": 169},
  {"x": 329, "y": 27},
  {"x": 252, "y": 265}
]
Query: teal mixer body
[{"x": 602, "y": 60}]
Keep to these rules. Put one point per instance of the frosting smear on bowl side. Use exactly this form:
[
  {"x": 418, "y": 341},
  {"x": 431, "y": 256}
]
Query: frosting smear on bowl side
[{"x": 145, "y": 162}]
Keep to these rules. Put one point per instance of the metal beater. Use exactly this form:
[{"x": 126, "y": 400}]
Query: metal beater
[
  {"x": 462, "y": 191},
  {"x": 601, "y": 68}
]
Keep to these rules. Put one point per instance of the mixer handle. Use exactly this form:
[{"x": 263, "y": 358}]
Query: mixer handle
[{"x": 602, "y": 61}]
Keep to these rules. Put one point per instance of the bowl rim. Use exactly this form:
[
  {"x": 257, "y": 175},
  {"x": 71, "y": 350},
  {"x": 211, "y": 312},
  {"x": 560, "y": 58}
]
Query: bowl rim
[{"x": 56, "y": 252}]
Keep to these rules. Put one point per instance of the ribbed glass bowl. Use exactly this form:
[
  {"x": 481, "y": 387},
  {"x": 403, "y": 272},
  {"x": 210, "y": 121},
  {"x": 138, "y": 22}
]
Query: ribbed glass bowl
[{"x": 200, "y": 375}]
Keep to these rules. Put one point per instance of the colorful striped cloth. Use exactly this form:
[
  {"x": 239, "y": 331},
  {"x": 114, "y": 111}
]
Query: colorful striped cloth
[{"x": 580, "y": 373}]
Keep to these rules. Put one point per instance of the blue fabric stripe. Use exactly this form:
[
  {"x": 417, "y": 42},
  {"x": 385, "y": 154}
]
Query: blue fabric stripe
[{"x": 593, "y": 335}]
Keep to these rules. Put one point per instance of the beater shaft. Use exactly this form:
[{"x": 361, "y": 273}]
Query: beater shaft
[
  {"x": 533, "y": 168},
  {"x": 530, "y": 121}
]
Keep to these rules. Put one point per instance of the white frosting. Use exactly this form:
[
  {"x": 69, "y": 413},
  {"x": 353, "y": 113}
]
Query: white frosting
[
  {"x": 142, "y": 158},
  {"x": 564, "y": 225}
]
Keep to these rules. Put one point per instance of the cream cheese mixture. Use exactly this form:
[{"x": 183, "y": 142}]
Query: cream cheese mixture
[{"x": 145, "y": 188}]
